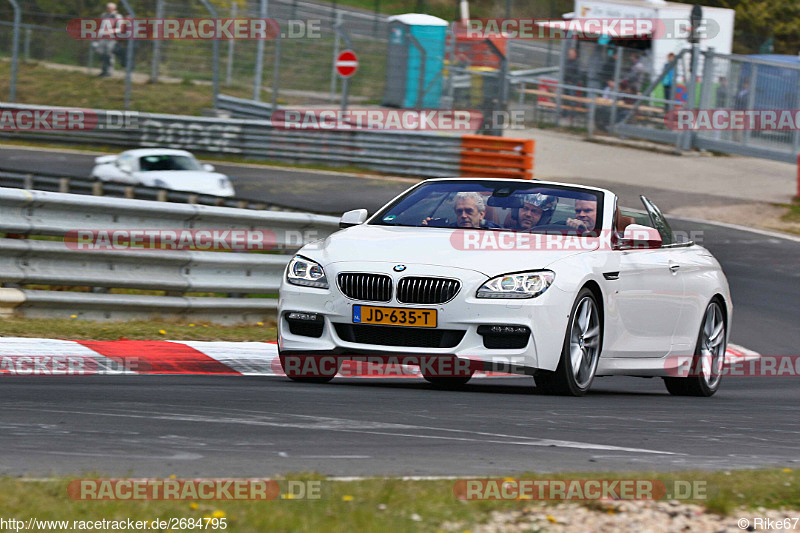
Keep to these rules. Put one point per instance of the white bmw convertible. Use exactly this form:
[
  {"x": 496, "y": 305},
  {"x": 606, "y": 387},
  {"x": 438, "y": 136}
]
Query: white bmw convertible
[{"x": 547, "y": 279}]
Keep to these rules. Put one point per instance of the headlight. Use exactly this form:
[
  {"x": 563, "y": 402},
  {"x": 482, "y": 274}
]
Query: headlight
[
  {"x": 306, "y": 272},
  {"x": 522, "y": 285}
]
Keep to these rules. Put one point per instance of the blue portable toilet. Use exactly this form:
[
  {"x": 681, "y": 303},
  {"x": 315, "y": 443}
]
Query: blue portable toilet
[{"x": 404, "y": 62}]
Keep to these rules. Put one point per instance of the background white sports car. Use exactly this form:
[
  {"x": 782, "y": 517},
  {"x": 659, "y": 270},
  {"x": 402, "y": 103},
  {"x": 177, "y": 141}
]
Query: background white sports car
[
  {"x": 547, "y": 279},
  {"x": 175, "y": 170}
]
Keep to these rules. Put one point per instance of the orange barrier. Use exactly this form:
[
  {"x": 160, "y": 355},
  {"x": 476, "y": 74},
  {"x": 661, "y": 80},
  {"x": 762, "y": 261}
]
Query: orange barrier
[{"x": 485, "y": 156}]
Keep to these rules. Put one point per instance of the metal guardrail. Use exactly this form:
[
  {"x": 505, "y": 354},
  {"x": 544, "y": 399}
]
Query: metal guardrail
[
  {"x": 243, "y": 108},
  {"x": 398, "y": 153},
  {"x": 26, "y": 261},
  {"x": 42, "y": 181}
]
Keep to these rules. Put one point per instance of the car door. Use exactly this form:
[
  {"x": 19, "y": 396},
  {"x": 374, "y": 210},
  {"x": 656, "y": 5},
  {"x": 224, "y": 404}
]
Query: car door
[
  {"x": 694, "y": 266},
  {"x": 648, "y": 295}
]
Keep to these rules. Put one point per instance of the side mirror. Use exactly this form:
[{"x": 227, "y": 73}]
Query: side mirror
[
  {"x": 353, "y": 218},
  {"x": 641, "y": 237},
  {"x": 208, "y": 168}
]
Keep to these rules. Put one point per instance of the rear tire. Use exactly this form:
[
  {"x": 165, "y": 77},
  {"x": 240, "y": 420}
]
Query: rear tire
[
  {"x": 709, "y": 357},
  {"x": 580, "y": 353}
]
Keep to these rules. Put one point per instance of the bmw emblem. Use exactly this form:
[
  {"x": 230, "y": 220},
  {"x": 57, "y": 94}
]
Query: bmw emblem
[{"x": 399, "y": 268}]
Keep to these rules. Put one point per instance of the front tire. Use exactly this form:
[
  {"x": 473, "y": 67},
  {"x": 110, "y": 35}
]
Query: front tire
[
  {"x": 580, "y": 353},
  {"x": 709, "y": 357},
  {"x": 301, "y": 373},
  {"x": 449, "y": 382}
]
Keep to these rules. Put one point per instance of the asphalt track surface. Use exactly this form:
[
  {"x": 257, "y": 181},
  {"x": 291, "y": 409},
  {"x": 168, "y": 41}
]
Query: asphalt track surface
[{"x": 253, "y": 426}]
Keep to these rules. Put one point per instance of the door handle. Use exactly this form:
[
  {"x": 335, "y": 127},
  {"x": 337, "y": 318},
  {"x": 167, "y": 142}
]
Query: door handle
[{"x": 674, "y": 268}]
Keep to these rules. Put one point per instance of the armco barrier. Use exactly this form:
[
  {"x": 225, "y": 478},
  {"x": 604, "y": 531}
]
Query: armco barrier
[
  {"x": 392, "y": 152},
  {"x": 42, "y": 181},
  {"x": 496, "y": 157},
  {"x": 26, "y": 261}
]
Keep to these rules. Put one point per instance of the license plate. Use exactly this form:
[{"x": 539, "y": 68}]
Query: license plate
[{"x": 394, "y": 316}]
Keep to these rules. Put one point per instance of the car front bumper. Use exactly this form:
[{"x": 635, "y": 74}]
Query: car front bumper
[{"x": 546, "y": 317}]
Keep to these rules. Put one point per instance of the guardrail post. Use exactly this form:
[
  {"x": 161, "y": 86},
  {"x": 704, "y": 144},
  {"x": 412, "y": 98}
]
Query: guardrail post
[
  {"x": 27, "y": 182},
  {"x": 192, "y": 199},
  {"x": 161, "y": 196},
  {"x": 12, "y": 90},
  {"x": 97, "y": 188},
  {"x": 129, "y": 193},
  {"x": 63, "y": 185},
  {"x": 592, "y": 111}
]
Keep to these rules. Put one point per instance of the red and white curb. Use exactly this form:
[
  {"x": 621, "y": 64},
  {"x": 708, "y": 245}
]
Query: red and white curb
[{"x": 26, "y": 356}]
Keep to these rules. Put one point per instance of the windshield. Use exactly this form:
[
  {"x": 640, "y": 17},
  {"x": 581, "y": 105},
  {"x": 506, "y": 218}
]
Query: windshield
[
  {"x": 168, "y": 162},
  {"x": 493, "y": 205}
]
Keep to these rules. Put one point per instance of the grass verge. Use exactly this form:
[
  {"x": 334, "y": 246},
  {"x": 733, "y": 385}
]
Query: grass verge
[
  {"x": 377, "y": 504},
  {"x": 37, "y": 84},
  {"x": 75, "y": 329}
]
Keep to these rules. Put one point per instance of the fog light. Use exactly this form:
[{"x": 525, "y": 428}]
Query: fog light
[
  {"x": 498, "y": 336},
  {"x": 305, "y": 324},
  {"x": 503, "y": 330},
  {"x": 309, "y": 317}
]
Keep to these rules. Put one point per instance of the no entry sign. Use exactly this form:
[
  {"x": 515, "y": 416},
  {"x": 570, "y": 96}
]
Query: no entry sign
[{"x": 346, "y": 64}]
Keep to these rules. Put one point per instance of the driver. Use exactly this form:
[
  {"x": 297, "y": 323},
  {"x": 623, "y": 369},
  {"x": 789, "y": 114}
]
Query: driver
[
  {"x": 537, "y": 210},
  {"x": 470, "y": 210},
  {"x": 585, "y": 214}
]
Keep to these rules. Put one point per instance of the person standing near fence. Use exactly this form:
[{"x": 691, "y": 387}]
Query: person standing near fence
[
  {"x": 669, "y": 79},
  {"x": 105, "y": 47}
]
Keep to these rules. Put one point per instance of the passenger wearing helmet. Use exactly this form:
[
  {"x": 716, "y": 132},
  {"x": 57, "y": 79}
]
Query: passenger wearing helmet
[{"x": 537, "y": 210}]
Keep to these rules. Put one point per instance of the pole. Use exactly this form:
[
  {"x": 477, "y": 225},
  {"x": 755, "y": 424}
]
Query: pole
[
  {"x": 12, "y": 91},
  {"x": 229, "y": 63},
  {"x": 259, "y": 71},
  {"x": 215, "y": 52},
  {"x": 335, "y": 55},
  {"x": 276, "y": 67},
  {"x": 27, "y": 46},
  {"x": 691, "y": 84},
  {"x": 345, "y": 87},
  {"x": 156, "y": 60},
  {"x": 128, "y": 58},
  {"x": 798, "y": 177},
  {"x": 377, "y": 16}
]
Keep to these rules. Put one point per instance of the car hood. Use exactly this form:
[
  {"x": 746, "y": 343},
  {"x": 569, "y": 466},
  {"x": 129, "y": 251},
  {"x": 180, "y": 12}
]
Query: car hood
[
  {"x": 482, "y": 251},
  {"x": 198, "y": 181}
]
